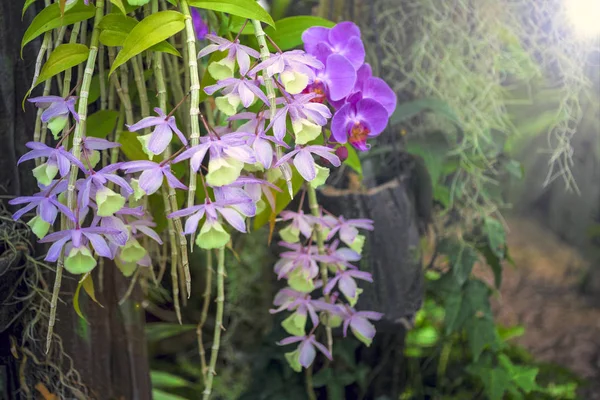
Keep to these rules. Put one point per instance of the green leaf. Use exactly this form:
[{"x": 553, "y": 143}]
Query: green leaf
[
  {"x": 462, "y": 257},
  {"x": 64, "y": 57},
  {"x": 494, "y": 263},
  {"x": 408, "y": 110},
  {"x": 95, "y": 87},
  {"x": 88, "y": 286},
  {"x": 496, "y": 381},
  {"x": 119, "y": 4},
  {"x": 157, "y": 209},
  {"x": 480, "y": 334},
  {"x": 115, "y": 28},
  {"x": 160, "y": 395},
  {"x": 508, "y": 333},
  {"x": 131, "y": 146},
  {"x": 523, "y": 377},
  {"x": 353, "y": 161},
  {"x": 282, "y": 199},
  {"x": 163, "y": 330},
  {"x": 27, "y": 4},
  {"x": 163, "y": 379},
  {"x": 242, "y": 8},
  {"x": 453, "y": 304},
  {"x": 496, "y": 236},
  {"x": 101, "y": 123},
  {"x": 287, "y": 32},
  {"x": 76, "y": 298},
  {"x": 49, "y": 18},
  {"x": 145, "y": 35}
]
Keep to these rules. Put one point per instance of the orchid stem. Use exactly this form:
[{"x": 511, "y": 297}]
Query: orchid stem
[
  {"x": 174, "y": 257},
  {"x": 177, "y": 228},
  {"x": 195, "y": 93},
  {"x": 79, "y": 133},
  {"x": 218, "y": 323},
  {"x": 316, "y": 212},
  {"x": 205, "y": 306},
  {"x": 264, "y": 55}
]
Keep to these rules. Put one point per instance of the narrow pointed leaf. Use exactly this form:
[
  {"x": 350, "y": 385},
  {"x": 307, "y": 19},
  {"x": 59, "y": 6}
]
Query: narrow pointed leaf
[
  {"x": 49, "y": 18},
  {"x": 27, "y": 4},
  {"x": 242, "y": 8},
  {"x": 119, "y": 4},
  {"x": 88, "y": 286},
  {"x": 64, "y": 57},
  {"x": 114, "y": 29},
  {"x": 76, "y": 300},
  {"x": 150, "y": 31}
]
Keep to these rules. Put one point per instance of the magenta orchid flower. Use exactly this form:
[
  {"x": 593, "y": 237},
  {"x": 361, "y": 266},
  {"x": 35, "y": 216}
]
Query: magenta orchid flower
[
  {"x": 304, "y": 161},
  {"x": 335, "y": 81},
  {"x": 355, "y": 123},
  {"x": 163, "y": 132},
  {"x": 200, "y": 27},
  {"x": 343, "y": 39},
  {"x": 306, "y": 349},
  {"x": 152, "y": 176}
]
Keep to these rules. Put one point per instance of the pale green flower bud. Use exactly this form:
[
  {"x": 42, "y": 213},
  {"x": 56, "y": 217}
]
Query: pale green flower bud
[
  {"x": 222, "y": 69},
  {"x": 39, "y": 227},
  {"x": 305, "y": 131},
  {"x": 45, "y": 173},
  {"x": 295, "y": 324},
  {"x": 80, "y": 260},
  {"x": 212, "y": 236},
  {"x": 322, "y": 175},
  {"x": 132, "y": 252},
  {"x": 223, "y": 171},
  {"x": 108, "y": 202},
  {"x": 228, "y": 104},
  {"x": 294, "y": 82}
]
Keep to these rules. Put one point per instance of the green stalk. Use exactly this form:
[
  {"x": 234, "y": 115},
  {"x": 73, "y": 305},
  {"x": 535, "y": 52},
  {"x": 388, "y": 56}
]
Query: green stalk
[
  {"x": 103, "y": 99},
  {"x": 45, "y": 47},
  {"x": 218, "y": 323},
  {"x": 83, "y": 100},
  {"x": 205, "y": 305},
  {"x": 260, "y": 34},
  {"x": 174, "y": 256},
  {"x": 171, "y": 201},
  {"x": 140, "y": 83},
  {"x": 122, "y": 93},
  {"x": 77, "y": 136},
  {"x": 194, "y": 93},
  {"x": 316, "y": 212}
]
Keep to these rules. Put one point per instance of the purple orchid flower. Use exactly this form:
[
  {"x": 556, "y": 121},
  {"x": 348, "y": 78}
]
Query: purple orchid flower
[
  {"x": 301, "y": 107},
  {"x": 304, "y": 161},
  {"x": 232, "y": 145},
  {"x": 357, "y": 122},
  {"x": 77, "y": 237},
  {"x": 336, "y": 80},
  {"x": 292, "y": 300},
  {"x": 97, "y": 180},
  {"x": 303, "y": 258},
  {"x": 210, "y": 209},
  {"x": 56, "y": 106},
  {"x": 348, "y": 228},
  {"x": 163, "y": 133},
  {"x": 300, "y": 221},
  {"x": 358, "y": 321},
  {"x": 307, "y": 352},
  {"x": 346, "y": 283},
  {"x": 247, "y": 187},
  {"x": 45, "y": 203},
  {"x": 236, "y": 51},
  {"x": 294, "y": 60},
  {"x": 259, "y": 141},
  {"x": 144, "y": 226},
  {"x": 152, "y": 176},
  {"x": 56, "y": 156},
  {"x": 370, "y": 87},
  {"x": 245, "y": 89},
  {"x": 343, "y": 39},
  {"x": 200, "y": 27}
]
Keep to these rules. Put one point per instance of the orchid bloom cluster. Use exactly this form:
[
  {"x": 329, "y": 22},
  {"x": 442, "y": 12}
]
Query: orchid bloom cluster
[{"x": 296, "y": 108}]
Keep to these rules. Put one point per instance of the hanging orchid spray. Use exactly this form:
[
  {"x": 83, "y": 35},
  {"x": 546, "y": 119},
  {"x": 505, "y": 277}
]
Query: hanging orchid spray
[{"x": 270, "y": 115}]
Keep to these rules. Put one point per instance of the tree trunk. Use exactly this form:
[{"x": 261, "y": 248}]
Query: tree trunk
[{"x": 109, "y": 359}]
